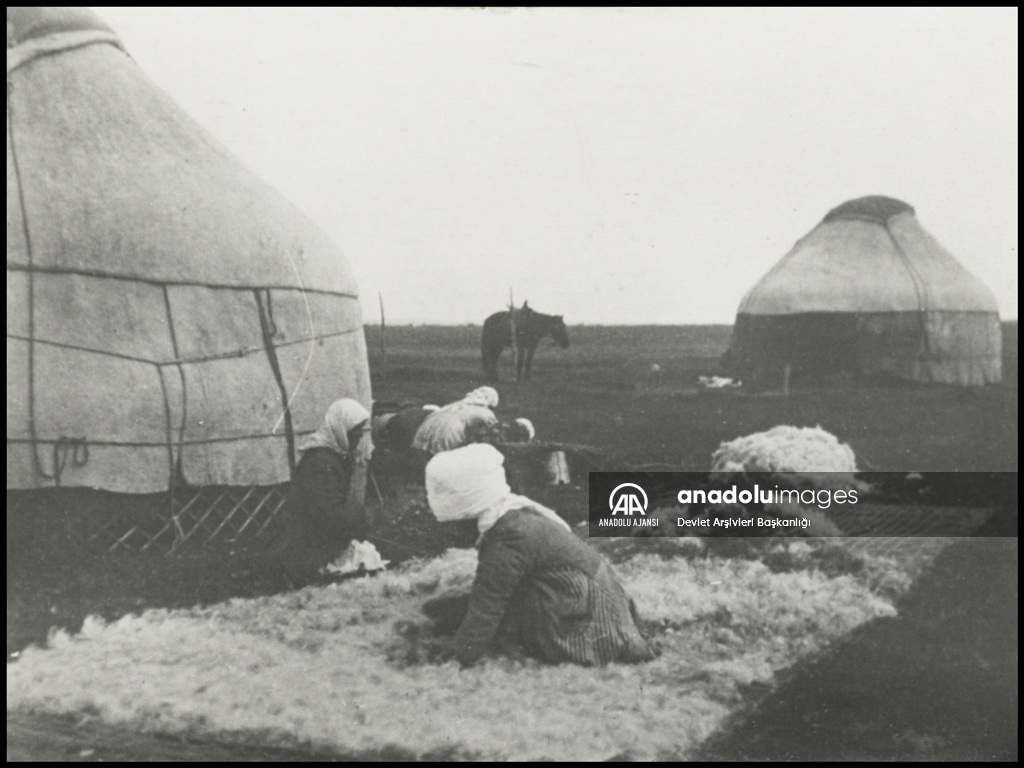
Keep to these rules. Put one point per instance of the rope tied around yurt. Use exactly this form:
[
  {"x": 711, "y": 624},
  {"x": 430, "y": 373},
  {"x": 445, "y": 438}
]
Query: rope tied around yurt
[
  {"x": 266, "y": 326},
  {"x": 271, "y": 325},
  {"x": 77, "y": 448},
  {"x": 74, "y": 448},
  {"x": 33, "y": 436},
  {"x": 920, "y": 290},
  {"x": 175, "y": 474}
]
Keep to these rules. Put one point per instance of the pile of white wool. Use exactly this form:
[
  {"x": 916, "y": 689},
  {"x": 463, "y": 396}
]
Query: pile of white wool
[{"x": 802, "y": 452}]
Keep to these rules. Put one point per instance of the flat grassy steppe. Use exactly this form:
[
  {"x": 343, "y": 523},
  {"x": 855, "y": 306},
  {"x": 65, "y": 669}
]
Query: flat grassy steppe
[{"x": 604, "y": 391}]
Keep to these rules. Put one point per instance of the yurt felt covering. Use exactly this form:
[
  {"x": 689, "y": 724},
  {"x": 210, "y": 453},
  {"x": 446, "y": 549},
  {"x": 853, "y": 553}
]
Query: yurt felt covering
[
  {"x": 869, "y": 291},
  {"x": 168, "y": 314}
]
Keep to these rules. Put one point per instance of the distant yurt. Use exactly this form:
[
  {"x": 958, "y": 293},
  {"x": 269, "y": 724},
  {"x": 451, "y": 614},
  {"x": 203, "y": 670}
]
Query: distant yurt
[
  {"x": 868, "y": 291},
  {"x": 172, "y": 322}
]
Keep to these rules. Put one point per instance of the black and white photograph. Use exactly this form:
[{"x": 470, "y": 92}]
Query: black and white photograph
[{"x": 506, "y": 384}]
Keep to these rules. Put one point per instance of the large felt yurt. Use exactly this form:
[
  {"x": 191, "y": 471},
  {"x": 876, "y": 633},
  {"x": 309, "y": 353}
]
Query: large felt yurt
[
  {"x": 869, "y": 291},
  {"x": 172, "y": 322}
]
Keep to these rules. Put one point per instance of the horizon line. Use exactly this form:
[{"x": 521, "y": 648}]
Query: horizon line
[{"x": 593, "y": 325}]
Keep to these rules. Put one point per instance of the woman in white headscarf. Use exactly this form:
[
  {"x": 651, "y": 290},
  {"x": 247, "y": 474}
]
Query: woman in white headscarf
[
  {"x": 324, "y": 510},
  {"x": 453, "y": 425},
  {"x": 536, "y": 585}
]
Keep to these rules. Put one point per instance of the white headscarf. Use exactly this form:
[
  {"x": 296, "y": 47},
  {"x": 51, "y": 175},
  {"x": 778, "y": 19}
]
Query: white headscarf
[
  {"x": 485, "y": 396},
  {"x": 527, "y": 425},
  {"x": 469, "y": 482},
  {"x": 341, "y": 418}
]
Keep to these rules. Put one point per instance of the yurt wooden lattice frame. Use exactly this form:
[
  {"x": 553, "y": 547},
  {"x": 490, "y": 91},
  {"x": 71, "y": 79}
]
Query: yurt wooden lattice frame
[
  {"x": 200, "y": 517},
  {"x": 187, "y": 521}
]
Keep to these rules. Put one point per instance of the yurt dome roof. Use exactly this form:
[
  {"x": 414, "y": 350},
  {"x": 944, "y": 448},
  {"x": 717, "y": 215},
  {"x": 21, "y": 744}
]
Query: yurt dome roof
[
  {"x": 877, "y": 208},
  {"x": 868, "y": 255},
  {"x": 29, "y": 23}
]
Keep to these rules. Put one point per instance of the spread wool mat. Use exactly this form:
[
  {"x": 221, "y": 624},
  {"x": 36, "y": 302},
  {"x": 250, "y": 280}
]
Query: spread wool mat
[{"x": 336, "y": 668}]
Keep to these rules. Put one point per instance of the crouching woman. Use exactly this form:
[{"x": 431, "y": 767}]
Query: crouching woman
[
  {"x": 324, "y": 511},
  {"x": 537, "y": 586},
  {"x": 453, "y": 425}
]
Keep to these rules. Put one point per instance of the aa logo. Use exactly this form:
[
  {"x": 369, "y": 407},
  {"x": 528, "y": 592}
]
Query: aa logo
[{"x": 624, "y": 501}]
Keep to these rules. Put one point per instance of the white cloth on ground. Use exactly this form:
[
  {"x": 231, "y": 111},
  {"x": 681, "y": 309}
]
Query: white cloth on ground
[{"x": 360, "y": 554}]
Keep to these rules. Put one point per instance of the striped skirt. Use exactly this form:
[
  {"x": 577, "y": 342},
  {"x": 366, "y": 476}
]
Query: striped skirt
[{"x": 566, "y": 615}]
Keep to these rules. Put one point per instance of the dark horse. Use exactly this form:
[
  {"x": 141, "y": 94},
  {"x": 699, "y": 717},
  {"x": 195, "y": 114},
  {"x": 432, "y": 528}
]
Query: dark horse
[{"x": 531, "y": 327}]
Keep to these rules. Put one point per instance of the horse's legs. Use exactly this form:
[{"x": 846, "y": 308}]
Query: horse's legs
[
  {"x": 521, "y": 371},
  {"x": 490, "y": 353},
  {"x": 491, "y": 364},
  {"x": 529, "y": 360}
]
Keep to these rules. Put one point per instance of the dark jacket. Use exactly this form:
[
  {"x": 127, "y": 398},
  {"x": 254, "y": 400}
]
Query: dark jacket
[
  {"x": 401, "y": 428},
  {"x": 552, "y": 594},
  {"x": 319, "y": 523}
]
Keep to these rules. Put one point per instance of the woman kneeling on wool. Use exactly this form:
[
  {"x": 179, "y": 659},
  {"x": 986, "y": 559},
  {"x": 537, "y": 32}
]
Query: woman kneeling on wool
[{"x": 537, "y": 585}]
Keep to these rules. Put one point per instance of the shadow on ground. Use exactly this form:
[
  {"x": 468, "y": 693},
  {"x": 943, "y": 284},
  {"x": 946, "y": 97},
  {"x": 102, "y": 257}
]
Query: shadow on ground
[{"x": 937, "y": 682}]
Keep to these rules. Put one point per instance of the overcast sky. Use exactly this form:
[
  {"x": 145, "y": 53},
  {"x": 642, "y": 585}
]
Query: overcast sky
[{"x": 615, "y": 166}]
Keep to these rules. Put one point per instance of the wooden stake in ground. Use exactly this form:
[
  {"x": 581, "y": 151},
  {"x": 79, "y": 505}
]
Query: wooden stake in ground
[
  {"x": 512, "y": 331},
  {"x": 785, "y": 378},
  {"x": 383, "y": 350}
]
